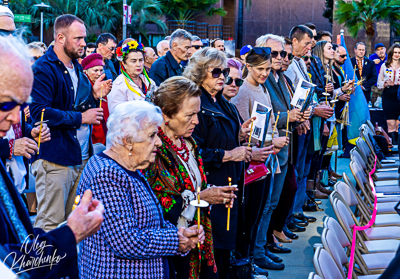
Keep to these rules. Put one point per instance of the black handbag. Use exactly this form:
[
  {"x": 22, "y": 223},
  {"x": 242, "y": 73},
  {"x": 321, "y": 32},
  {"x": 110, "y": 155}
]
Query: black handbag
[{"x": 240, "y": 268}]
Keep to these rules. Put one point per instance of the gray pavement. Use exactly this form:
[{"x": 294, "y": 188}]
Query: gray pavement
[{"x": 299, "y": 263}]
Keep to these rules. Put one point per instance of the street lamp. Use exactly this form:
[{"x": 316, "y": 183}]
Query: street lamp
[{"x": 42, "y": 6}]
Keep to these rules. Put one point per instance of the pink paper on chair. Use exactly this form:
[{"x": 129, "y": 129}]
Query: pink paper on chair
[{"x": 370, "y": 223}]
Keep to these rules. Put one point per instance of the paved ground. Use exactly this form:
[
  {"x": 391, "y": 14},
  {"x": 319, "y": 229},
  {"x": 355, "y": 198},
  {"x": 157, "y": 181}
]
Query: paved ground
[{"x": 299, "y": 263}]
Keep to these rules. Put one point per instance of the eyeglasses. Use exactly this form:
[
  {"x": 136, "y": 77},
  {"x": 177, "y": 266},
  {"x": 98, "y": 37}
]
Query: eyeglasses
[
  {"x": 274, "y": 54},
  {"x": 110, "y": 48},
  {"x": 197, "y": 47},
  {"x": 216, "y": 72},
  {"x": 343, "y": 56},
  {"x": 290, "y": 56},
  {"x": 238, "y": 81},
  {"x": 5, "y": 32},
  {"x": 8, "y": 106},
  {"x": 305, "y": 58},
  {"x": 262, "y": 50},
  {"x": 34, "y": 58}
]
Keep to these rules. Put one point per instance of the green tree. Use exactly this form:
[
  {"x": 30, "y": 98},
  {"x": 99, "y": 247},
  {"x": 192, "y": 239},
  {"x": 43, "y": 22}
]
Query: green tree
[
  {"x": 365, "y": 13},
  {"x": 328, "y": 12},
  {"x": 190, "y": 9},
  {"x": 106, "y": 14}
]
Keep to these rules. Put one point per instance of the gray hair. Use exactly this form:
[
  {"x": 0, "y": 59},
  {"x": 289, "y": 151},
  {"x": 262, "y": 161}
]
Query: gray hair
[
  {"x": 195, "y": 38},
  {"x": 262, "y": 41},
  {"x": 159, "y": 47},
  {"x": 359, "y": 43},
  {"x": 201, "y": 60},
  {"x": 178, "y": 35},
  {"x": 130, "y": 119},
  {"x": 15, "y": 46}
]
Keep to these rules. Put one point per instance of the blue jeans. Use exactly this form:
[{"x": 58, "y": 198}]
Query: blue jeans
[
  {"x": 301, "y": 169},
  {"x": 272, "y": 202}
]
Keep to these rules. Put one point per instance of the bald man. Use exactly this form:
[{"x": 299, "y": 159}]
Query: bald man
[
  {"x": 7, "y": 25},
  {"x": 18, "y": 239},
  {"x": 150, "y": 57}
]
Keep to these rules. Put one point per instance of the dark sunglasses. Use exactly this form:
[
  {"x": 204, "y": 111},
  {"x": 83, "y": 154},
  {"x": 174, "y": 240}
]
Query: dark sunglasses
[
  {"x": 34, "y": 58},
  {"x": 197, "y": 47},
  {"x": 262, "y": 50},
  {"x": 274, "y": 54},
  {"x": 8, "y": 106},
  {"x": 315, "y": 38},
  {"x": 4, "y": 32},
  {"x": 216, "y": 72},
  {"x": 343, "y": 56},
  {"x": 290, "y": 56},
  {"x": 238, "y": 81},
  {"x": 305, "y": 58}
]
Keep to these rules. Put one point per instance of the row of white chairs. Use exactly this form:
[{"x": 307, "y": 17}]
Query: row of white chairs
[{"x": 376, "y": 246}]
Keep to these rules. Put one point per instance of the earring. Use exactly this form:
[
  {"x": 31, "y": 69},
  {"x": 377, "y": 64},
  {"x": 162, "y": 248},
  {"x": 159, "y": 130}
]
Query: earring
[
  {"x": 130, "y": 154},
  {"x": 166, "y": 123}
]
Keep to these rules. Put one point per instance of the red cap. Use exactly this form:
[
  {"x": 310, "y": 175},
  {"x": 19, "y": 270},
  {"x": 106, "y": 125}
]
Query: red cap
[{"x": 92, "y": 60}]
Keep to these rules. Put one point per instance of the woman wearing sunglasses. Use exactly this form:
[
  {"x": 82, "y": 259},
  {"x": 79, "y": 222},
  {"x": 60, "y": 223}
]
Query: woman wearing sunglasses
[
  {"x": 219, "y": 135},
  {"x": 234, "y": 80},
  {"x": 256, "y": 72}
]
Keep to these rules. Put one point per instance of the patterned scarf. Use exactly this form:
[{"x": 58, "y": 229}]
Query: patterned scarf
[{"x": 169, "y": 178}]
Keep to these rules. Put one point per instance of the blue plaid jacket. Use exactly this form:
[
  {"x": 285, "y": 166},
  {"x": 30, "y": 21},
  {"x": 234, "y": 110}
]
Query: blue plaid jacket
[
  {"x": 318, "y": 73},
  {"x": 133, "y": 237}
]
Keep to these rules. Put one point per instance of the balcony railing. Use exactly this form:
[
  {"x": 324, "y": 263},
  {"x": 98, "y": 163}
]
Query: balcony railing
[{"x": 201, "y": 29}]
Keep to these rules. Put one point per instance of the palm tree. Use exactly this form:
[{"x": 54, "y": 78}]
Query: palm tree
[
  {"x": 190, "y": 9},
  {"x": 363, "y": 14}
]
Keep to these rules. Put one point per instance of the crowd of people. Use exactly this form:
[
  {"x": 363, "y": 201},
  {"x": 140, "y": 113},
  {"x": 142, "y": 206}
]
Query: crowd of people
[{"x": 176, "y": 124}]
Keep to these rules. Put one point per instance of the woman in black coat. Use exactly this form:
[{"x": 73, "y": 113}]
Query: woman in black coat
[{"x": 219, "y": 135}]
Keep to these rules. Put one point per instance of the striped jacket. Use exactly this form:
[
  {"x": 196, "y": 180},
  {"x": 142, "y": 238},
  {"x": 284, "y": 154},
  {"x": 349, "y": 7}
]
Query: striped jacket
[{"x": 133, "y": 237}]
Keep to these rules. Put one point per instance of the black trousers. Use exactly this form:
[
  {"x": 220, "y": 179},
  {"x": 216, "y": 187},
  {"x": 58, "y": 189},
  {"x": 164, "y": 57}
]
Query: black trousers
[
  {"x": 255, "y": 197},
  {"x": 281, "y": 212}
]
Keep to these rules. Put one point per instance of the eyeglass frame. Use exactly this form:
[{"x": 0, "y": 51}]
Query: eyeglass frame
[
  {"x": 227, "y": 71},
  {"x": 230, "y": 80}
]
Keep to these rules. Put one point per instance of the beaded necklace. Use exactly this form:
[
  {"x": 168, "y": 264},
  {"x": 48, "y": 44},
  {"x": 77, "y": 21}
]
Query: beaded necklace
[{"x": 178, "y": 150}]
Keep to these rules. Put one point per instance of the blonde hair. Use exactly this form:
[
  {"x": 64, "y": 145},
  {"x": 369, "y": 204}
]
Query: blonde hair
[{"x": 199, "y": 63}]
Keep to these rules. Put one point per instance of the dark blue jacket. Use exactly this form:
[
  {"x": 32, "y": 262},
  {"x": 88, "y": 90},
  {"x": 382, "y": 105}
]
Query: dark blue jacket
[
  {"x": 5, "y": 147},
  {"x": 214, "y": 134},
  {"x": 164, "y": 68},
  {"x": 368, "y": 73},
  {"x": 317, "y": 71},
  {"x": 54, "y": 91},
  {"x": 59, "y": 242}
]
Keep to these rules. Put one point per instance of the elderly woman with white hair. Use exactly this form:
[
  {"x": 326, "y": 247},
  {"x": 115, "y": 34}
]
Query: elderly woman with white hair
[
  {"x": 134, "y": 240},
  {"x": 219, "y": 135}
]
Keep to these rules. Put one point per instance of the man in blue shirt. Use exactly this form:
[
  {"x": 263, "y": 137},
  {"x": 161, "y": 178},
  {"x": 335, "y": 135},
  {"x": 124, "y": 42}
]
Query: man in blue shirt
[
  {"x": 58, "y": 89},
  {"x": 379, "y": 57}
]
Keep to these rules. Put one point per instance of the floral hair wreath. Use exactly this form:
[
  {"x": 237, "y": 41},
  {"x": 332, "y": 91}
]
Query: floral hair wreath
[{"x": 132, "y": 45}]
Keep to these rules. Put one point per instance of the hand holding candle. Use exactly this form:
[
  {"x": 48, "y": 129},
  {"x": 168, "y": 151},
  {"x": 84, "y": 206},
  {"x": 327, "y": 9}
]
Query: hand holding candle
[{"x": 40, "y": 130}]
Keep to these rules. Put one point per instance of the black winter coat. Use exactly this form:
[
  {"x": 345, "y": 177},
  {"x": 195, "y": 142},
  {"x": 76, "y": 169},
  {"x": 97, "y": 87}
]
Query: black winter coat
[{"x": 214, "y": 134}]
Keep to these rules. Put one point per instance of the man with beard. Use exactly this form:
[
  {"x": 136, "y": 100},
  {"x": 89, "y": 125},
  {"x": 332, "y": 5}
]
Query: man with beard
[{"x": 70, "y": 110}]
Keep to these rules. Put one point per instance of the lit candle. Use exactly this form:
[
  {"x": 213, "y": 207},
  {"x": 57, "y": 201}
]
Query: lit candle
[
  {"x": 251, "y": 131},
  {"x": 76, "y": 202},
  {"x": 229, "y": 209},
  {"x": 101, "y": 99},
  {"x": 287, "y": 124},
  {"x": 40, "y": 130},
  {"x": 276, "y": 123},
  {"x": 198, "y": 213}
]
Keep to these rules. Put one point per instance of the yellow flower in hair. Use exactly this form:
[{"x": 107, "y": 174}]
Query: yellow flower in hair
[{"x": 133, "y": 44}]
